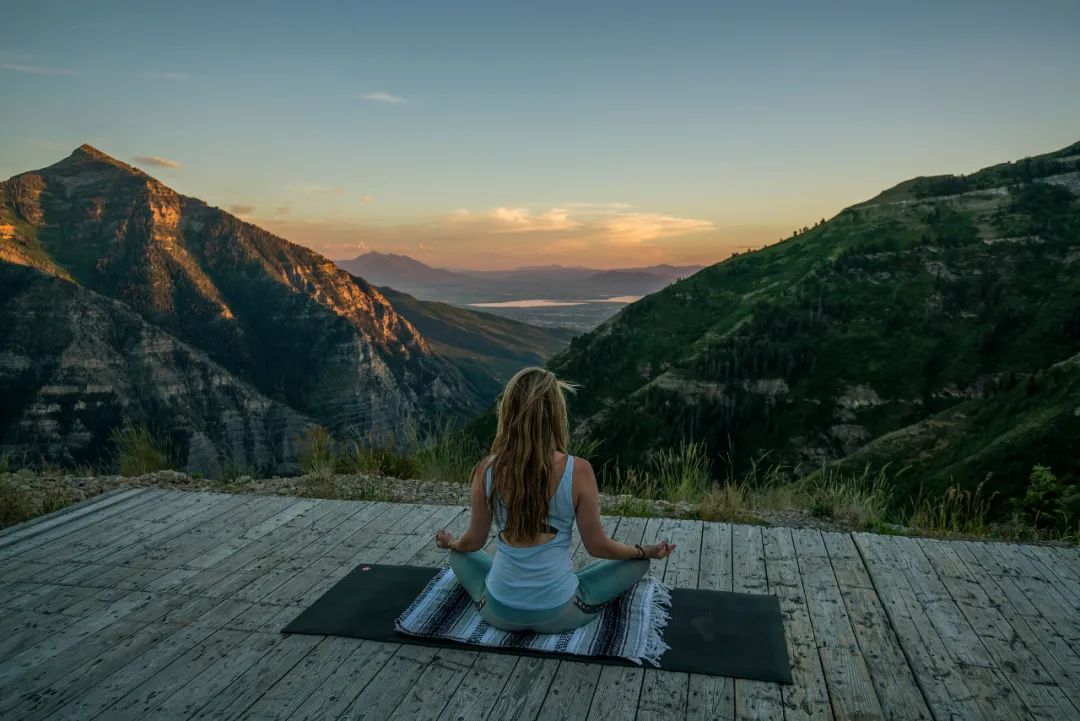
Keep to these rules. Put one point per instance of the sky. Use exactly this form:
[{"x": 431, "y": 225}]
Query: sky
[{"x": 496, "y": 134}]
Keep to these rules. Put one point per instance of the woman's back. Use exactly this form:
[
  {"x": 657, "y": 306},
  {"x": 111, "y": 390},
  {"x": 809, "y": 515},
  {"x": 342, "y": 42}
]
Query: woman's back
[{"x": 537, "y": 576}]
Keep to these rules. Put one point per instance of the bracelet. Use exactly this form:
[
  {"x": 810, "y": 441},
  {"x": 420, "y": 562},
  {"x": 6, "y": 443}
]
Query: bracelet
[{"x": 640, "y": 550}]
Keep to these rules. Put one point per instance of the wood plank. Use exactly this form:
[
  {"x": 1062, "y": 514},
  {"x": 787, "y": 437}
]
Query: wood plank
[
  {"x": 808, "y": 696},
  {"x": 170, "y": 511},
  {"x": 893, "y": 678},
  {"x": 429, "y": 694},
  {"x": 955, "y": 630},
  {"x": 312, "y": 672},
  {"x": 944, "y": 686},
  {"x": 999, "y": 583},
  {"x": 618, "y": 688},
  {"x": 31, "y": 658},
  {"x": 1026, "y": 671},
  {"x": 571, "y": 692},
  {"x": 142, "y": 548},
  {"x": 215, "y": 677},
  {"x": 37, "y": 526},
  {"x": 346, "y": 681},
  {"x": 524, "y": 691},
  {"x": 393, "y": 682},
  {"x": 712, "y": 698},
  {"x": 664, "y": 693},
  {"x": 756, "y": 700},
  {"x": 48, "y": 545},
  {"x": 850, "y": 688},
  {"x": 141, "y": 701},
  {"x": 1061, "y": 571},
  {"x": 1034, "y": 579},
  {"x": 123, "y": 681}
]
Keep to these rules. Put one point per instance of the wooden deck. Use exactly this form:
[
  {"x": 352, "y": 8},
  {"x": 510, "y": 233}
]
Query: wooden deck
[{"x": 147, "y": 604}]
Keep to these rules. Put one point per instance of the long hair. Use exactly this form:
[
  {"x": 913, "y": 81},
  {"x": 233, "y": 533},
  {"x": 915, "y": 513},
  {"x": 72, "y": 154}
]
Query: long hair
[{"x": 532, "y": 426}]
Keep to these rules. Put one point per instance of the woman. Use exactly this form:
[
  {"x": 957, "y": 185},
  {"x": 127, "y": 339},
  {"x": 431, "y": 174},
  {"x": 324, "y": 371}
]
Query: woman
[{"x": 534, "y": 490}]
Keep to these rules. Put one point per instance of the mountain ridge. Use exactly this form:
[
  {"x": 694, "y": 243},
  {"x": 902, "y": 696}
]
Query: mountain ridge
[
  {"x": 276, "y": 316},
  {"x": 886, "y": 315}
]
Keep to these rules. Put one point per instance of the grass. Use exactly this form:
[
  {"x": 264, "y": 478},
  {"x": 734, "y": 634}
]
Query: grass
[
  {"x": 679, "y": 475},
  {"x": 19, "y": 503},
  {"x": 955, "y": 512},
  {"x": 333, "y": 487},
  {"x": 140, "y": 451}
]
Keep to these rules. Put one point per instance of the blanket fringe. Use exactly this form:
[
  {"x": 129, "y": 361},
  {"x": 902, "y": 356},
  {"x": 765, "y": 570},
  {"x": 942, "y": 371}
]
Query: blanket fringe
[{"x": 657, "y": 605}]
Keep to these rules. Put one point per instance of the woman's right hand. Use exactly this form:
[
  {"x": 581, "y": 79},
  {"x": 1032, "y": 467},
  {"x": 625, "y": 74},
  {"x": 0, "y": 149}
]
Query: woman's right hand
[{"x": 660, "y": 550}]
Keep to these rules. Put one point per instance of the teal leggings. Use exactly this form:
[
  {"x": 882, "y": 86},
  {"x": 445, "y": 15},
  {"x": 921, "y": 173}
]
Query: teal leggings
[{"x": 598, "y": 583}]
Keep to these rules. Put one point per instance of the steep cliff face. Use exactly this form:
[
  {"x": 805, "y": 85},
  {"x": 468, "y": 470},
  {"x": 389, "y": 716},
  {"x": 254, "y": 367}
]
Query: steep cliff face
[
  {"x": 74, "y": 365},
  {"x": 285, "y": 320}
]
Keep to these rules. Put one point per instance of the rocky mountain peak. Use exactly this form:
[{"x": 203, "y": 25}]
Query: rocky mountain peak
[{"x": 87, "y": 157}]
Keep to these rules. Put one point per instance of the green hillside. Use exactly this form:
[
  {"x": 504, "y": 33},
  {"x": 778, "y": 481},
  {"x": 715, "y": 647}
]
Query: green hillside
[
  {"x": 936, "y": 300},
  {"x": 487, "y": 348}
]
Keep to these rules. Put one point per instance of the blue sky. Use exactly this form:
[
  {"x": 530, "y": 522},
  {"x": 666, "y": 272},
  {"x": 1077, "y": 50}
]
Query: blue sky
[{"x": 492, "y": 134}]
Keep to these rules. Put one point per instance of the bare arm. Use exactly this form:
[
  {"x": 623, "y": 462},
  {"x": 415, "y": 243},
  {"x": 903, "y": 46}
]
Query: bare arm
[
  {"x": 587, "y": 507},
  {"x": 476, "y": 534}
]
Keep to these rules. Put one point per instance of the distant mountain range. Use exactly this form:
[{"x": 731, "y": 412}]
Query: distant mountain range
[
  {"x": 124, "y": 301},
  {"x": 934, "y": 328},
  {"x": 552, "y": 282}
]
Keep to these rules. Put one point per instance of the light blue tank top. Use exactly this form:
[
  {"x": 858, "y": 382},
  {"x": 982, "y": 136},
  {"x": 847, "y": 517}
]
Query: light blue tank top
[{"x": 541, "y": 576}]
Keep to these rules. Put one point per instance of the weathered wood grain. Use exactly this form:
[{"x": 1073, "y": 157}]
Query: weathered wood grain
[{"x": 163, "y": 604}]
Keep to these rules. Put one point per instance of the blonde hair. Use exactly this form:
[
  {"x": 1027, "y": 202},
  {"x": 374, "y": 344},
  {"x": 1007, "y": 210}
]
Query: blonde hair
[{"x": 533, "y": 426}]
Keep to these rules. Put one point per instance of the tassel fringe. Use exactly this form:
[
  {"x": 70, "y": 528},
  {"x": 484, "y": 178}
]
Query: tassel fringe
[{"x": 657, "y": 611}]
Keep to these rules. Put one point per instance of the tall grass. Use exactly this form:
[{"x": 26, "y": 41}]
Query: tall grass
[
  {"x": 859, "y": 499},
  {"x": 19, "y": 503},
  {"x": 444, "y": 452},
  {"x": 956, "y": 511},
  {"x": 139, "y": 450},
  {"x": 441, "y": 452}
]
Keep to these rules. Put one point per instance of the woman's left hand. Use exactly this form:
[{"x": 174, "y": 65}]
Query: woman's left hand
[{"x": 443, "y": 538}]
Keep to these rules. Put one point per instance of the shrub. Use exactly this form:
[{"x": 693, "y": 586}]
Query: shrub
[
  {"x": 317, "y": 451},
  {"x": 1046, "y": 502},
  {"x": 139, "y": 450}
]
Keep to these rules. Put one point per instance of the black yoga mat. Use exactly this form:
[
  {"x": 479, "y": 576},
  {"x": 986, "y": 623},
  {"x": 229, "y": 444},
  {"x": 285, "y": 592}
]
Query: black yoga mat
[{"x": 710, "y": 632}]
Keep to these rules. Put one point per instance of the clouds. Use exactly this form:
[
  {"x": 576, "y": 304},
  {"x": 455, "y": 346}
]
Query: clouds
[
  {"x": 597, "y": 235},
  {"x": 586, "y": 223},
  {"x": 37, "y": 69},
  {"x": 158, "y": 162},
  {"x": 518, "y": 220},
  {"x": 383, "y": 98},
  {"x": 239, "y": 209}
]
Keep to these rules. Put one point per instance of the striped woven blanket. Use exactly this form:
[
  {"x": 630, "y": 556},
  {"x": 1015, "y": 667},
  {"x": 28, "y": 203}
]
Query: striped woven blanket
[{"x": 629, "y": 627}]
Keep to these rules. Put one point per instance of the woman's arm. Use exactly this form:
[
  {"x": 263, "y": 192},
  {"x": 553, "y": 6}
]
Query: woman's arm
[
  {"x": 476, "y": 535},
  {"x": 587, "y": 507}
]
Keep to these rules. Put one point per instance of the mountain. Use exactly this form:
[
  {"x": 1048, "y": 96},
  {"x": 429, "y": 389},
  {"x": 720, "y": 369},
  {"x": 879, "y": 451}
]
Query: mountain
[
  {"x": 487, "y": 348},
  {"x": 934, "y": 328},
  {"x": 556, "y": 282},
  {"x": 399, "y": 271},
  {"x": 277, "y": 326},
  {"x": 634, "y": 281}
]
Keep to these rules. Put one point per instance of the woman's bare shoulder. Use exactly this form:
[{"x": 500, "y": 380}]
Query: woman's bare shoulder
[
  {"x": 582, "y": 467},
  {"x": 481, "y": 467}
]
